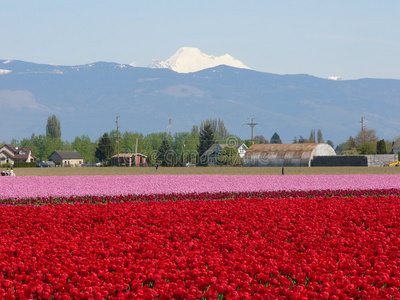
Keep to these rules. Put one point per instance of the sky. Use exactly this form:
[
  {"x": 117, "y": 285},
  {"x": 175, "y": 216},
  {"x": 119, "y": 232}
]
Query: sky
[{"x": 350, "y": 39}]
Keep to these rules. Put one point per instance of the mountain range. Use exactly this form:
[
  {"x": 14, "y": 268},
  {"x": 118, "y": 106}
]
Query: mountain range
[{"x": 87, "y": 99}]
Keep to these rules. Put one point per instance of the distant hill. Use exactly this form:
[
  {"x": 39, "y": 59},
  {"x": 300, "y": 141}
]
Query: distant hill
[{"x": 87, "y": 99}]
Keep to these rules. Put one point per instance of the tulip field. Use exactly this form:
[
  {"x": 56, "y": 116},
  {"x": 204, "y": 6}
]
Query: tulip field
[{"x": 200, "y": 237}]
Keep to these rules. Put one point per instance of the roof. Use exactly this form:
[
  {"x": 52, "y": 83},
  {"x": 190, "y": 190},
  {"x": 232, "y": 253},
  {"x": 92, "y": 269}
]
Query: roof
[
  {"x": 19, "y": 153},
  {"x": 283, "y": 147},
  {"x": 129, "y": 155},
  {"x": 11, "y": 147},
  {"x": 68, "y": 154}
]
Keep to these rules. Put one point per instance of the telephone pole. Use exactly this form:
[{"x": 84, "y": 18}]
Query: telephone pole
[
  {"x": 170, "y": 126},
  {"x": 362, "y": 130},
  {"x": 252, "y": 124},
  {"x": 116, "y": 121}
]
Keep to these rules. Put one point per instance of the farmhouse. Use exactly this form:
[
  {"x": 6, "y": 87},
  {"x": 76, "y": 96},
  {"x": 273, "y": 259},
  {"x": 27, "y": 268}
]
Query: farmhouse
[
  {"x": 67, "y": 158},
  {"x": 281, "y": 155},
  {"x": 211, "y": 155},
  {"x": 129, "y": 159},
  {"x": 11, "y": 154}
]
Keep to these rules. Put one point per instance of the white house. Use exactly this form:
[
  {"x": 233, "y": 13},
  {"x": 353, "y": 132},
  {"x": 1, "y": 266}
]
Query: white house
[{"x": 11, "y": 154}]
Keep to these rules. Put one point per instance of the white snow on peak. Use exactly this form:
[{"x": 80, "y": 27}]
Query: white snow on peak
[
  {"x": 157, "y": 64},
  {"x": 3, "y": 72},
  {"x": 188, "y": 59},
  {"x": 7, "y": 61},
  {"x": 134, "y": 64},
  {"x": 336, "y": 78}
]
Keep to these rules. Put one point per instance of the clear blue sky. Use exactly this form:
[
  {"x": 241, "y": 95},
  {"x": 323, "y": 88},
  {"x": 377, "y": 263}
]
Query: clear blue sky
[{"x": 347, "y": 38}]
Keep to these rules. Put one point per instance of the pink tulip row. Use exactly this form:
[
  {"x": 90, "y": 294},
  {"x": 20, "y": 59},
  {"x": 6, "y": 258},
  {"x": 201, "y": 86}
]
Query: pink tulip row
[{"x": 56, "y": 186}]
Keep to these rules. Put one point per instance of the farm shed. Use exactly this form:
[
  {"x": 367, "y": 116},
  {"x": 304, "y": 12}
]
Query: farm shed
[
  {"x": 372, "y": 160},
  {"x": 282, "y": 155},
  {"x": 129, "y": 159},
  {"x": 67, "y": 158}
]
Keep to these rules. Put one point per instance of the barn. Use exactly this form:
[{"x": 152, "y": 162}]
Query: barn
[{"x": 285, "y": 155}]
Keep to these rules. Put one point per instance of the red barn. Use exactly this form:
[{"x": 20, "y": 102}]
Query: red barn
[{"x": 129, "y": 160}]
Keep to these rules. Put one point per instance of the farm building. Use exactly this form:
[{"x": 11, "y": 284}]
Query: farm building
[
  {"x": 372, "y": 160},
  {"x": 282, "y": 155},
  {"x": 129, "y": 159},
  {"x": 67, "y": 158},
  {"x": 11, "y": 154}
]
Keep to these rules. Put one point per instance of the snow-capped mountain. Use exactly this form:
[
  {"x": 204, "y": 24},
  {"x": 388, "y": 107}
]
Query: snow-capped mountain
[
  {"x": 188, "y": 59},
  {"x": 157, "y": 64},
  {"x": 86, "y": 97}
]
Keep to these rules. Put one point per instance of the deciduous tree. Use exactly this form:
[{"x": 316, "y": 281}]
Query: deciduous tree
[
  {"x": 320, "y": 139},
  {"x": 84, "y": 146},
  {"x": 229, "y": 155},
  {"x": 53, "y": 128},
  {"x": 260, "y": 139},
  {"x": 311, "y": 139}
]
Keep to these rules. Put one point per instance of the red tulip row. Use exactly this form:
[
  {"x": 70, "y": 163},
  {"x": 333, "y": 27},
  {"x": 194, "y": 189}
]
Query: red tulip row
[
  {"x": 196, "y": 196},
  {"x": 335, "y": 247}
]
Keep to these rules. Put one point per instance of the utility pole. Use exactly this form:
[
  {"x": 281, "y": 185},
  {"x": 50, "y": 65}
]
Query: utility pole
[
  {"x": 362, "y": 130},
  {"x": 170, "y": 126},
  {"x": 252, "y": 124},
  {"x": 136, "y": 152},
  {"x": 116, "y": 121}
]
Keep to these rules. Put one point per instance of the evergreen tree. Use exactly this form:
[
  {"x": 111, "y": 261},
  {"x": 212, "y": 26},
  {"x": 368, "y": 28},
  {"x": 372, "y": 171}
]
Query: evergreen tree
[
  {"x": 381, "y": 147},
  {"x": 275, "y": 139},
  {"x": 206, "y": 139},
  {"x": 165, "y": 155},
  {"x": 53, "y": 128},
  {"x": 330, "y": 143},
  {"x": 105, "y": 148},
  {"x": 320, "y": 139}
]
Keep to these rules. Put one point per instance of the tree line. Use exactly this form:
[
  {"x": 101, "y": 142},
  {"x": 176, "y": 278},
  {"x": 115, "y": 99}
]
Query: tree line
[{"x": 181, "y": 146}]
